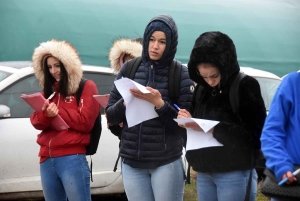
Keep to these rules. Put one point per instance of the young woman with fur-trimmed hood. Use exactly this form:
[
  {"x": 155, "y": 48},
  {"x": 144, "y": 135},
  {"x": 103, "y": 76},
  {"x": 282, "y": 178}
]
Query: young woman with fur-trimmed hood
[
  {"x": 224, "y": 171},
  {"x": 123, "y": 50},
  {"x": 63, "y": 165}
]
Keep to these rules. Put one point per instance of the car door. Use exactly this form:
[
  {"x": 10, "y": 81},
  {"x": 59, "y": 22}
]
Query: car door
[
  {"x": 105, "y": 158},
  {"x": 19, "y": 169},
  {"x": 19, "y": 161}
]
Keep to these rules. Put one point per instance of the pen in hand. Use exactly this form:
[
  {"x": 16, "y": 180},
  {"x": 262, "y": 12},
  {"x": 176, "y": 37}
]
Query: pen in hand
[
  {"x": 178, "y": 108},
  {"x": 51, "y": 96},
  {"x": 286, "y": 179},
  {"x": 47, "y": 101}
]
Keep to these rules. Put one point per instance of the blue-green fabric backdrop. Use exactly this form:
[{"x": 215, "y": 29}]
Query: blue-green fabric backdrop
[{"x": 266, "y": 32}]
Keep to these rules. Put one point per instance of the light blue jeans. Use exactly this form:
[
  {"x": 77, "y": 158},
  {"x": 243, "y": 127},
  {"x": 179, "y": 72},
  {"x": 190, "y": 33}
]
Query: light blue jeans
[
  {"x": 228, "y": 186},
  {"x": 66, "y": 176},
  {"x": 164, "y": 183}
]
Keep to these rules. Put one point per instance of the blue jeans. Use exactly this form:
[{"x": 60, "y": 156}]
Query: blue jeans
[
  {"x": 66, "y": 176},
  {"x": 164, "y": 183},
  {"x": 228, "y": 186}
]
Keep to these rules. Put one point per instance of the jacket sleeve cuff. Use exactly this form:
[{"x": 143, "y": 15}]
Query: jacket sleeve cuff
[{"x": 219, "y": 131}]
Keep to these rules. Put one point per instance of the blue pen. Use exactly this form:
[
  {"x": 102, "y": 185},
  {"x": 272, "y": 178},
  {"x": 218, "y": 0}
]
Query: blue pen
[
  {"x": 178, "y": 108},
  {"x": 286, "y": 179}
]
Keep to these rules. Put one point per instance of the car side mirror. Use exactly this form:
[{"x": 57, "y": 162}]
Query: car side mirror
[{"x": 4, "y": 112}]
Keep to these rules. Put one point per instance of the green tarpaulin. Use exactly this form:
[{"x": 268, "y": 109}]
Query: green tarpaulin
[{"x": 266, "y": 32}]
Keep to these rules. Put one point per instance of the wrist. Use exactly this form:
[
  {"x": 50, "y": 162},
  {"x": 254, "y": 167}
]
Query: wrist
[{"x": 160, "y": 105}]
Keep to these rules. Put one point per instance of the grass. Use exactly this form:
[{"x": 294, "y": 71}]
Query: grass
[{"x": 190, "y": 192}]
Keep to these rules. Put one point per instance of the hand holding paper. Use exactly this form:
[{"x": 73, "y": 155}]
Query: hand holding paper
[
  {"x": 206, "y": 125},
  {"x": 37, "y": 101},
  {"x": 153, "y": 96},
  {"x": 137, "y": 110},
  {"x": 199, "y": 139}
]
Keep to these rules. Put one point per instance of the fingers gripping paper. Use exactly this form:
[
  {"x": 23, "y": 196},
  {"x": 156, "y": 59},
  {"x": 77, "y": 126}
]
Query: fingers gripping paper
[
  {"x": 137, "y": 110},
  {"x": 199, "y": 139},
  {"x": 36, "y": 101}
]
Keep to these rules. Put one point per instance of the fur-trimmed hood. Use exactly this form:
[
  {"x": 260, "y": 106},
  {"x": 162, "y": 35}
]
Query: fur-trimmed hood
[
  {"x": 120, "y": 48},
  {"x": 216, "y": 48},
  {"x": 64, "y": 52}
]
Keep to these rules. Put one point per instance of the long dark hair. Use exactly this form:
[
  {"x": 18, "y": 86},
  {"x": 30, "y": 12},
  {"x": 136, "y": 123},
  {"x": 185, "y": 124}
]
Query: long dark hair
[{"x": 49, "y": 80}]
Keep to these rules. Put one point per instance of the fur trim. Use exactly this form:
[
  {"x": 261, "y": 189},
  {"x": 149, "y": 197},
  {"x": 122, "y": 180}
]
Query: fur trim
[
  {"x": 64, "y": 52},
  {"x": 121, "y": 46},
  {"x": 216, "y": 48}
]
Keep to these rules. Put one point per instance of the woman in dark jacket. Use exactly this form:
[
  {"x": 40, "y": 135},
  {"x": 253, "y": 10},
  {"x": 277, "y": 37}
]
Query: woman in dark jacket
[
  {"x": 224, "y": 171},
  {"x": 151, "y": 151}
]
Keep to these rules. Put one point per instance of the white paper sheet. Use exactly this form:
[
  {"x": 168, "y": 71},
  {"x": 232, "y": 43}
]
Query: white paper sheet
[
  {"x": 199, "y": 139},
  {"x": 137, "y": 110}
]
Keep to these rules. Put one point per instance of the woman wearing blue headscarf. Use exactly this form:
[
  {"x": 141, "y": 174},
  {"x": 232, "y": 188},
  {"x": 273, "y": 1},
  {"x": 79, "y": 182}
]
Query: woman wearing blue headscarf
[{"x": 151, "y": 151}]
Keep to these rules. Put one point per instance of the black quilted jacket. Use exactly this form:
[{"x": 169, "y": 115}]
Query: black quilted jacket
[{"x": 155, "y": 139}]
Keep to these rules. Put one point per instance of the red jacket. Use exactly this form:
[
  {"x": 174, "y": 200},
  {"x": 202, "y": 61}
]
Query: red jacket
[{"x": 80, "y": 117}]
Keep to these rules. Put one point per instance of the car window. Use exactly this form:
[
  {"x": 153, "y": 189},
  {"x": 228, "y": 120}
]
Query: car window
[
  {"x": 103, "y": 81},
  {"x": 3, "y": 75},
  {"x": 11, "y": 96},
  {"x": 268, "y": 88},
  {"x": 20, "y": 109}
]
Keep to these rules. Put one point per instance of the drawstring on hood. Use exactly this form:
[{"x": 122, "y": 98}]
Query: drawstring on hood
[
  {"x": 216, "y": 48},
  {"x": 120, "y": 48},
  {"x": 65, "y": 53},
  {"x": 166, "y": 24}
]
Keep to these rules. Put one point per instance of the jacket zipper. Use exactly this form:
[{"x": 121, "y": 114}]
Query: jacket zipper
[
  {"x": 52, "y": 138},
  {"x": 164, "y": 133},
  {"x": 81, "y": 105},
  {"x": 50, "y": 148},
  {"x": 139, "y": 145},
  {"x": 152, "y": 73}
]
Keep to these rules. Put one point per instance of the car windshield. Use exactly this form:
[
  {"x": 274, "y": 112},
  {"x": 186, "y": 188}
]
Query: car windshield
[
  {"x": 268, "y": 88},
  {"x": 4, "y": 75}
]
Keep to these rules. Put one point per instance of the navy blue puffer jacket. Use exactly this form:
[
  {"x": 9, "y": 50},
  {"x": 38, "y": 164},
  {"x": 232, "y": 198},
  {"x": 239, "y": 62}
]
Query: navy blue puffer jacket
[{"x": 155, "y": 139}]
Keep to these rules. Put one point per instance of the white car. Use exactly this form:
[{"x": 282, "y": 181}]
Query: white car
[
  {"x": 19, "y": 161},
  {"x": 268, "y": 82}
]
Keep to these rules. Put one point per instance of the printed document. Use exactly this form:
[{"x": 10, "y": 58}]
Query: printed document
[
  {"x": 137, "y": 110},
  {"x": 199, "y": 139}
]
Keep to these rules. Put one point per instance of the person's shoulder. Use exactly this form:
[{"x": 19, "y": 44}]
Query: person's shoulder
[
  {"x": 248, "y": 81},
  {"x": 291, "y": 77},
  {"x": 90, "y": 83},
  {"x": 290, "y": 80},
  {"x": 123, "y": 69}
]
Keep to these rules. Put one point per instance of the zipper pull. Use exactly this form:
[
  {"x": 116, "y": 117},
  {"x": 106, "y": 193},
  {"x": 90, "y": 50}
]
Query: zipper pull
[{"x": 151, "y": 67}]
